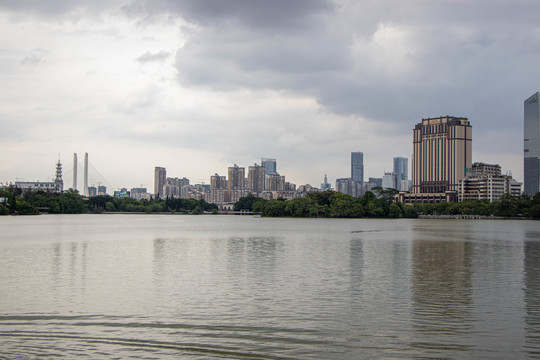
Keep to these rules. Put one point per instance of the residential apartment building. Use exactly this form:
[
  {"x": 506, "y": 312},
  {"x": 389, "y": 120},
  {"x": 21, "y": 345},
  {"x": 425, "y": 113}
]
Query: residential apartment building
[
  {"x": 256, "y": 178},
  {"x": 160, "y": 175}
]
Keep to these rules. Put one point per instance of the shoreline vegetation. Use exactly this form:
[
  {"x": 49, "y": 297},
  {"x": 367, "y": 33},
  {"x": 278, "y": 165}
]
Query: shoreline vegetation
[{"x": 328, "y": 204}]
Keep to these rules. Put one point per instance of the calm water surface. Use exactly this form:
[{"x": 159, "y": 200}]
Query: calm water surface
[{"x": 168, "y": 287}]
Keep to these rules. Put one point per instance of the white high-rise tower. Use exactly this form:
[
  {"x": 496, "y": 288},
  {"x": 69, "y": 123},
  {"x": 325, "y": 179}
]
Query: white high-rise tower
[
  {"x": 74, "y": 171},
  {"x": 85, "y": 188}
]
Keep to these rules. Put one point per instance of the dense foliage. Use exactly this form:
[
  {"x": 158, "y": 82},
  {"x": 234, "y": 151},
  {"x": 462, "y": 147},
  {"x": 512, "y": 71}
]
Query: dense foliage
[
  {"x": 381, "y": 204},
  {"x": 108, "y": 203},
  {"x": 70, "y": 202},
  {"x": 378, "y": 204}
]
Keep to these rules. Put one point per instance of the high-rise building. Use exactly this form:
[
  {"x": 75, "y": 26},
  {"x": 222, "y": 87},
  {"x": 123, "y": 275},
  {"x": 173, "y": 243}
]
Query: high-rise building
[
  {"x": 173, "y": 187},
  {"x": 256, "y": 178},
  {"x": 218, "y": 182},
  {"x": 85, "y": 175},
  {"x": 237, "y": 177},
  {"x": 389, "y": 181},
  {"x": 357, "y": 166},
  {"x": 269, "y": 165},
  {"x": 349, "y": 186},
  {"x": 442, "y": 154},
  {"x": 376, "y": 181},
  {"x": 275, "y": 182},
  {"x": 401, "y": 172},
  {"x": 531, "y": 145},
  {"x": 270, "y": 168},
  {"x": 74, "y": 171},
  {"x": 160, "y": 176}
]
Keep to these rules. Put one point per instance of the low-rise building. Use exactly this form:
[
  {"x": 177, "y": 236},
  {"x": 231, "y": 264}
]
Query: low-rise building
[
  {"x": 53, "y": 186},
  {"x": 488, "y": 187},
  {"x": 139, "y": 193},
  {"x": 426, "y": 198},
  {"x": 122, "y": 193}
]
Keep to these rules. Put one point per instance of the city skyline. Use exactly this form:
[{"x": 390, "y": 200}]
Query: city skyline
[{"x": 196, "y": 87}]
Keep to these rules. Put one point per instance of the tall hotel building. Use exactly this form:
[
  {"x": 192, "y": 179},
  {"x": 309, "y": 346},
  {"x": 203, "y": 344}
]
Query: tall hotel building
[
  {"x": 531, "y": 145},
  {"x": 442, "y": 154}
]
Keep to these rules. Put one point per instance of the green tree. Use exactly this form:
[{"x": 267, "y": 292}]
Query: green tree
[
  {"x": 409, "y": 211},
  {"x": 109, "y": 206},
  {"x": 302, "y": 207},
  {"x": 4, "y": 210},
  {"x": 274, "y": 208},
  {"x": 258, "y": 206},
  {"x": 394, "y": 211},
  {"x": 245, "y": 203},
  {"x": 374, "y": 209},
  {"x": 322, "y": 197},
  {"x": 25, "y": 208},
  {"x": 345, "y": 206}
]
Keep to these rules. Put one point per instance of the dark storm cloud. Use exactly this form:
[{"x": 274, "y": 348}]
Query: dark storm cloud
[
  {"x": 55, "y": 7},
  {"x": 460, "y": 58},
  {"x": 464, "y": 58},
  {"x": 275, "y": 14}
]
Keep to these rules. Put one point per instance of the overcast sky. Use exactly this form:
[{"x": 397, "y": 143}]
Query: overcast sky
[{"x": 199, "y": 85}]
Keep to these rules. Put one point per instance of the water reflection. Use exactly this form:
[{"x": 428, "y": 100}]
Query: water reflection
[
  {"x": 356, "y": 259},
  {"x": 238, "y": 287},
  {"x": 441, "y": 294},
  {"x": 532, "y": 301}
]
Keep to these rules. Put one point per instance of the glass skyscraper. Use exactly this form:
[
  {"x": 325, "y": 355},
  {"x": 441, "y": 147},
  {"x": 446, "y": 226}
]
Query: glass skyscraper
[
  {"x": 401, "y": 171},
  {"x": 531, "y": 145},
  {"x": 270, "y": 166},
  {"x": 357, "y": 166}
]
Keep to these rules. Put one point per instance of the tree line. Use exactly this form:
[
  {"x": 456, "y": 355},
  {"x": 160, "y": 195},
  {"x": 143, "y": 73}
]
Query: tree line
[
  {"x": 380, "y": 203},
  {"x": 70, "y": 202}
]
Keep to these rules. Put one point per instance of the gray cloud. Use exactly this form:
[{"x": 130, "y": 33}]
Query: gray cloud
[
  {"x": 457, "y": 58},
  {"x": 57, "y": 7},
  {"x": 150, "y": 57},
  {"x": 275, "y": 15},
  {"x": 390, "y": 61}
]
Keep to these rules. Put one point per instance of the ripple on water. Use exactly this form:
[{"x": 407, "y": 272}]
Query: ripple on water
[{"x": 91, "y": 336}]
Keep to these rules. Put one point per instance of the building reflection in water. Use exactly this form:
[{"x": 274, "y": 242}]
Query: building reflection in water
[
  {"x": 356, "y": 267},
  {"x": 441, "y": 295},
  {"x": 531, "y": 280}
]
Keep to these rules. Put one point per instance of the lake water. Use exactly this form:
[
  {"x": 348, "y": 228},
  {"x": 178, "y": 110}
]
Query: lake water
[{"x": 242, "y": 287}]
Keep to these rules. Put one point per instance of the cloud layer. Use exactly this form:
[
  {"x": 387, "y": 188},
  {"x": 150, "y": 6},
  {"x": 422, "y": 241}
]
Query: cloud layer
[{"x": 198, "y": 85}]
